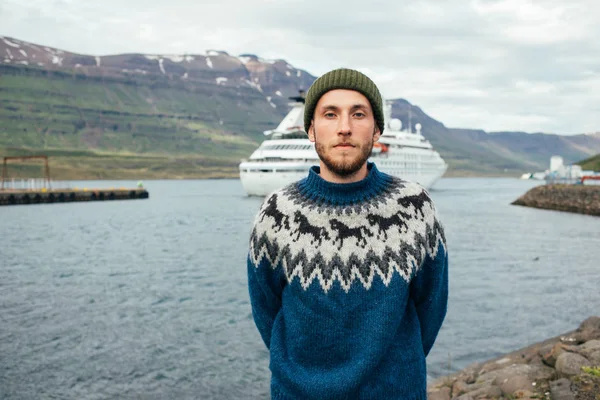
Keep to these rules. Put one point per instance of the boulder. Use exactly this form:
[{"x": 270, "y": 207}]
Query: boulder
[
  {"x": 535, "y": 372},
  {"x": 589, "y": 347},
  {"x": 463, "y": 397},
  {"x": 561, "y": 390},
  {"x": 516, "y": 383},
  {"x": 439, "y": 394},
  {"x": 569, "y": 364},
  {"x": 550, "y": 357},
  {"x": 488, "y": 392},
  {"x": 461, "y": 387},
  {"x": 588, "y": 330},
  {"x": 595, "y": 358}
]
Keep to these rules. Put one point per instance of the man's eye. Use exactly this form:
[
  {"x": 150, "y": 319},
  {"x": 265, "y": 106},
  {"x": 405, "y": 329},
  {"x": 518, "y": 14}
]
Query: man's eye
[
  {"x": 329, "y": 115},
  {"x": 359, "y": 114}
]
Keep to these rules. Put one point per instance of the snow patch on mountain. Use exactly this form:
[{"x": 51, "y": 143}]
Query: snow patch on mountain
[{"x": 11, "y": 44}]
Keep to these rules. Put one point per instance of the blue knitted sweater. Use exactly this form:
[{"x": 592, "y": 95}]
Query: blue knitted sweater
[{"x": 348, "y": 285}]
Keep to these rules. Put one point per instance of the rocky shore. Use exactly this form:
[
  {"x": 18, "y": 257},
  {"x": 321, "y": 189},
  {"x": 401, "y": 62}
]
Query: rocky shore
[
  {"x": 566, "y": 367},
  {"x": 572, "y": 198}
]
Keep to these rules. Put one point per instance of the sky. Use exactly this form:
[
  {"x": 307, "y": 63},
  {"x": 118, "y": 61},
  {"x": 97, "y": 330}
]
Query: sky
[{"x": 497, "y": 65}]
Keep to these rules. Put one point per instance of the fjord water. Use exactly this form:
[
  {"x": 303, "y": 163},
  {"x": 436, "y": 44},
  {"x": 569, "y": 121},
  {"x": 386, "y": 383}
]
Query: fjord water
[{"x": 148, "y": 298}]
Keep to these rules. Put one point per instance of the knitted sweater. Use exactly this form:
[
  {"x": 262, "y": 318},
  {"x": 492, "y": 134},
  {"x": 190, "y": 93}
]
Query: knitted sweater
[{"x": 348, "y": 285}]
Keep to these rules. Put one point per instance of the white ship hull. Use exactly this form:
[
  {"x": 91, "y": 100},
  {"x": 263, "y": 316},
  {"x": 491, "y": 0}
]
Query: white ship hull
[
  {"x": 261, "y": 179},
  {"x": 264, "y": 183}
]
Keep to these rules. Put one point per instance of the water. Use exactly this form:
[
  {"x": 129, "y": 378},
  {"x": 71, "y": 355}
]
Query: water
[{"x": 148, "y": 298}]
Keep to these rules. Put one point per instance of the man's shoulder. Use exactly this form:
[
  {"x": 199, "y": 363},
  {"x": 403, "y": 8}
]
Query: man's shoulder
[
  {"x": 409, "y": 189},
  {"x": 277, "y": 195},
  {"x": 414, "y": 198},
  {"x": 276, "y": 205}
]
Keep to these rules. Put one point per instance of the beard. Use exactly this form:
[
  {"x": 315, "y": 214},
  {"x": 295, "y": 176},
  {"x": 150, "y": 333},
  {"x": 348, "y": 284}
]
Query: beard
[{"x": 344, "y": 166}]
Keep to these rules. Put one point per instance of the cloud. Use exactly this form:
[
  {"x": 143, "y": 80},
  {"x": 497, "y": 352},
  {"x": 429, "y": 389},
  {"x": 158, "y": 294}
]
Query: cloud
[{"x": 496, "y": 65}]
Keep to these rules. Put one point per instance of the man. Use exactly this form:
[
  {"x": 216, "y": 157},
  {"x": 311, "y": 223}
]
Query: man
[{"x": 347, "y": 268}]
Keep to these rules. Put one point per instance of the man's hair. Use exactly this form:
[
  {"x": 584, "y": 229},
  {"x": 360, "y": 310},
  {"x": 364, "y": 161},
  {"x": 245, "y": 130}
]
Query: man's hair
[{"x": 349, "y": 79}]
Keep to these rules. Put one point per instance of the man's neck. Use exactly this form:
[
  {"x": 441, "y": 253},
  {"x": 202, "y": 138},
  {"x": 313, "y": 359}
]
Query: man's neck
[{"x": 332, "y": 177}]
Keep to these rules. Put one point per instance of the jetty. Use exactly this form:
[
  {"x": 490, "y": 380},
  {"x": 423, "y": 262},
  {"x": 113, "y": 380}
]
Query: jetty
[
  {"x": 581, "y": 199},
  {"x": 38, "y": 191}
]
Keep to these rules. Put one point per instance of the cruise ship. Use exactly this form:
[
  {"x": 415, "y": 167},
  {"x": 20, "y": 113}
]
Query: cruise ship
[{"x": 287, "y": 154}]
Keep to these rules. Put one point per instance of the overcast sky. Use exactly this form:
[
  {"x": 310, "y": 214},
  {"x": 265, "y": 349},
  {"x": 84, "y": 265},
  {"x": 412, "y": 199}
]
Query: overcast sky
[{"x": 497, "y": 65}]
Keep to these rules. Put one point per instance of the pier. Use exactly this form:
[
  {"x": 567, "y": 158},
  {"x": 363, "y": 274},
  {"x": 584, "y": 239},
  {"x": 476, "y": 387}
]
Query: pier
[
  {"x": 20, "y": 196},
  {"x": 39, "y": 191}
]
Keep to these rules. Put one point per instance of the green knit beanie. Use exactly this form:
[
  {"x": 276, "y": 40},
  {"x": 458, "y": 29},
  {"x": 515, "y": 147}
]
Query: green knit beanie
[{"x": 343, "y": 79}]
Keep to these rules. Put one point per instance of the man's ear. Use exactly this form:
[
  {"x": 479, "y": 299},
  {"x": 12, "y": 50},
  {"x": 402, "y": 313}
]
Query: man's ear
[
  {"x": 376, "y": 134},
  {"x": 311, "y": 132}
]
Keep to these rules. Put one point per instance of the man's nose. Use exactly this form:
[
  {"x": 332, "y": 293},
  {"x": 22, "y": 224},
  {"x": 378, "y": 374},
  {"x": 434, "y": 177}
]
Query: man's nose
[{"x": 344, "y": 125}]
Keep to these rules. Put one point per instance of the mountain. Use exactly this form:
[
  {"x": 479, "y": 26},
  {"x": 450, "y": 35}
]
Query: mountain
[
  {"x": 476, "y": 152},
  {"x": 196, "y": 115},
  {"x": 590, "y": 164}
]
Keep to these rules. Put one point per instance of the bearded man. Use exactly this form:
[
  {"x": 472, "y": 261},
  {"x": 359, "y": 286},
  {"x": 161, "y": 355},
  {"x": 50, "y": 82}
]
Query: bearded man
[{"x": 348, "y": 267}]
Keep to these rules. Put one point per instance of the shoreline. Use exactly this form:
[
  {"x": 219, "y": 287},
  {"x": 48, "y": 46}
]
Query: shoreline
[{"x": 565, "y": 367}]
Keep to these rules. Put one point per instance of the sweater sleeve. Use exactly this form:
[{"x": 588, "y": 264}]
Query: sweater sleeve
[
  {"x": 429, "y": 290},
  {"x": 265, "y": 286}
]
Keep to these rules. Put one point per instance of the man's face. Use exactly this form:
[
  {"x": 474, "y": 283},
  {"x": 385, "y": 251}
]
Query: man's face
[{"x": 343, "y": 130}]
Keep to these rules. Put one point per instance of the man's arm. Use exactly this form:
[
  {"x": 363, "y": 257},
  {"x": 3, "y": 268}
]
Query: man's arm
[
  {"x": 265, "y": 286},
  {"x": 429, "y": 287},
  {"x": 430, "y": 293}
]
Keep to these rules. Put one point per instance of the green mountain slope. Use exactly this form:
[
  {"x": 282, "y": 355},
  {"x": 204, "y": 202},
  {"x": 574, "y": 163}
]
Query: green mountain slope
[
  {"x": 42, "y": 113},
  {"x": 476, "y": 152},
  {"x": 142, "y": 116},
  {"x": 591, "y": 164}
]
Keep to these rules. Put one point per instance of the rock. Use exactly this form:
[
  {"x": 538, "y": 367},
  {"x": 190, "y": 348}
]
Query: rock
[
  {"x": 569, "y": 364},
  {"x": 440, "y": 394},
  {"x": 589, "y": 347},
  {"x": 534, "y": 372},
  {"x": 485, "y": 392},
  {"x": 524, "y": 394},
  {"x": 561, "y": 390},
  {"x": 572, "y": 198},
  {"x": 595, "y": 358},
  {"x": 515, "y": 383},
  {"x": 542, "y": 351},
  {"x": 459, "y": 387},
  {"x": 588, "y": 330},
  {"x": 528, "y": 374},
  {"x": 463, "y": 397},
  {"x": 501, "y": 363},
  {"x": 590, "y": 323},
  {"x": 550, "y": 357}
]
